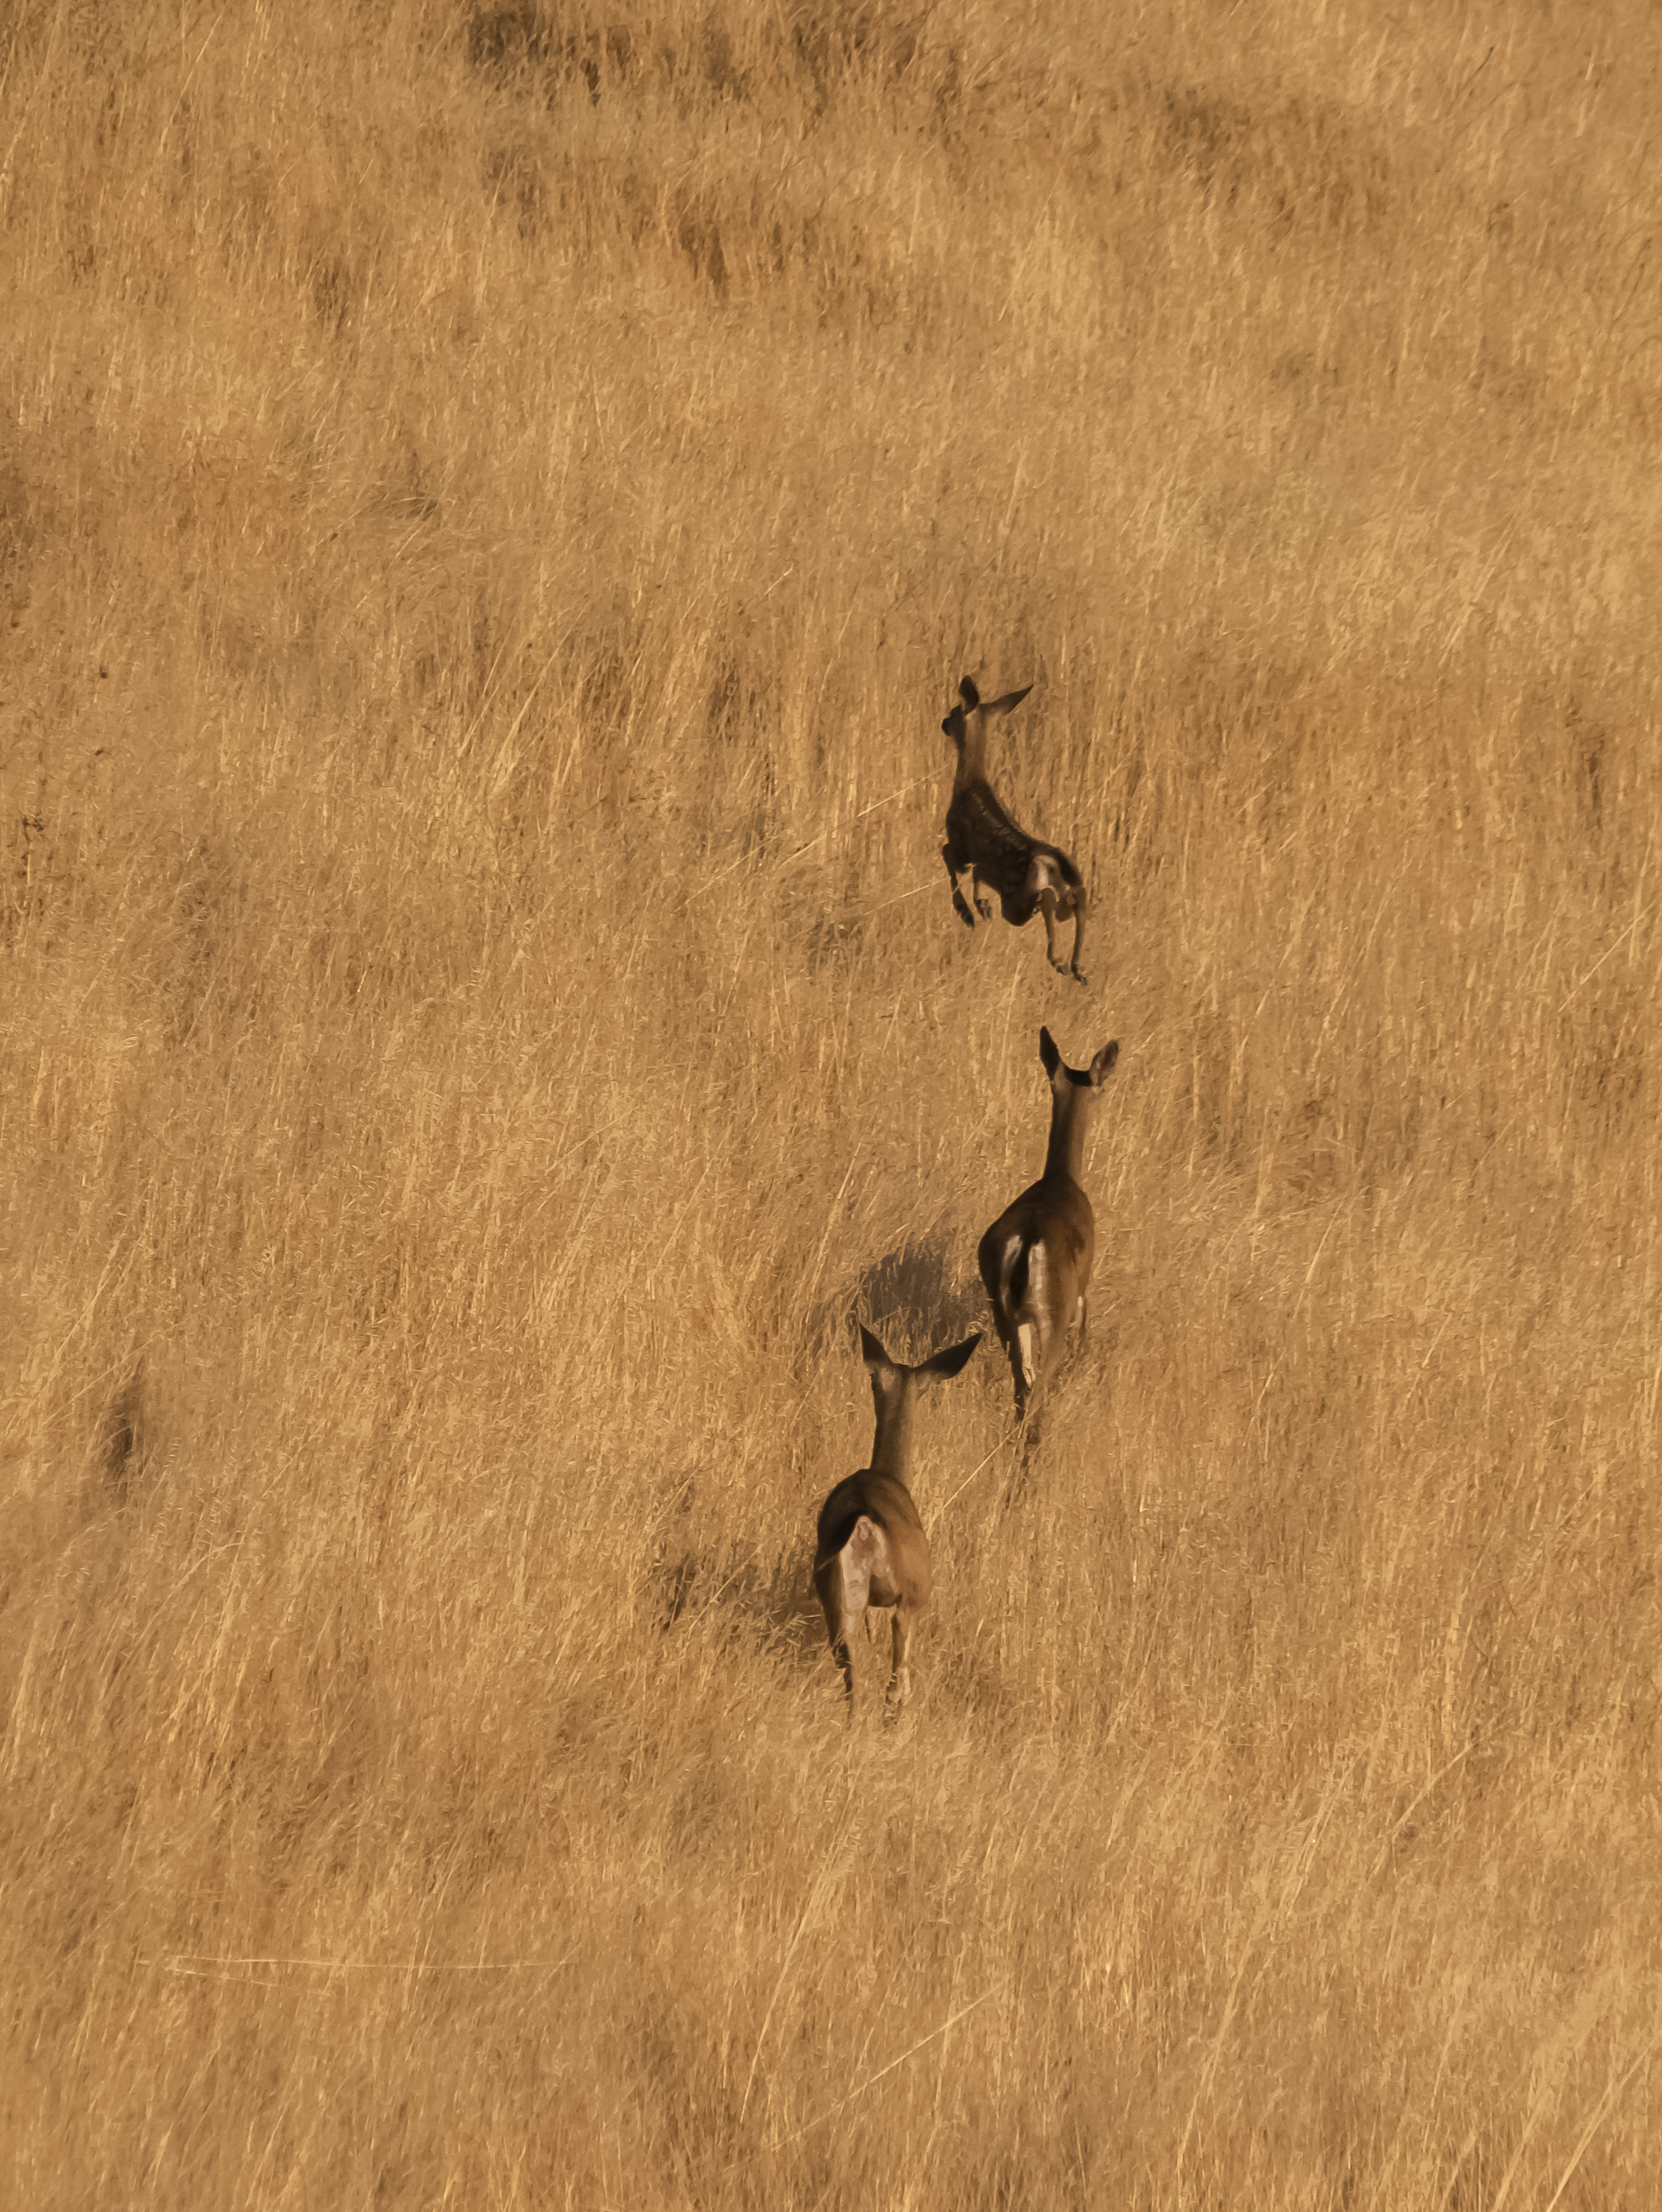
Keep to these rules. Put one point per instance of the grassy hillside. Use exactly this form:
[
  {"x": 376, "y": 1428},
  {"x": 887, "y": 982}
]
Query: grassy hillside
[{"x": 493, "y": 505}]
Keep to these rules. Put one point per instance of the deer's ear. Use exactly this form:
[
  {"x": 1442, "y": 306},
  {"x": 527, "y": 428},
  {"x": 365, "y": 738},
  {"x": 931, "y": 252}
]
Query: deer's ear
[
  {"x": 1104, "y": 1060},
  {"x": 952, "y": 1361},
  {"x": 1048, "y": 1052},
  {"x": 871, "y": 1350},
  {"x": 968, "y": 695},
  {"x": 1010, "y": 699}
]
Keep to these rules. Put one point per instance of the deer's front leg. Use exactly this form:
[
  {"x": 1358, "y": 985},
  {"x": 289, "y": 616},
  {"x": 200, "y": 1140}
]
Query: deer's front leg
[
  {"x": 1047, "y": 907},
  {"x": 954, "y": 864}
]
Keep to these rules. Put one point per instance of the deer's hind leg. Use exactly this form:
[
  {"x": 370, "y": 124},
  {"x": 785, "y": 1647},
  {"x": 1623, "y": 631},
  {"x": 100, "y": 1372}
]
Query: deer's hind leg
[
  {"x": 900, "y": 1681},
  {"x": 1042, "y": 880},
  {"x": 1019, "y": 1374},
  {"x": 1029, "y": 1413},
  {"x": 843, "y": 1584},
  {"x": 955, "y": 867}
]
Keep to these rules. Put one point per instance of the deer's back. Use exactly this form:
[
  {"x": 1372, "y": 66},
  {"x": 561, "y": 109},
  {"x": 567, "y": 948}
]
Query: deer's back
[
  {"x": 979, "y": 823},
  {"x": 1056, "y": 1214}
]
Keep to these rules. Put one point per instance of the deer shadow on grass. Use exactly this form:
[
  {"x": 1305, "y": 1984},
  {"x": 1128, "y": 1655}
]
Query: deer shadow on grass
[
  {"x": 917, "y": 1291},
  {"x": 750, "y": 1604},
  {"x": 125, "y": 1446},
  {"x": 701, "y": 1570}
]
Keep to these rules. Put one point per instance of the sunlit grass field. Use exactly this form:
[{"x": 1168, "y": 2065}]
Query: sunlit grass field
[{"x": 495, "y": 502}]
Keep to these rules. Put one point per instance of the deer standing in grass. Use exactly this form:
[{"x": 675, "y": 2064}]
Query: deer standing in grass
[
  {"x": 985, "y": 839},
  {"x": 1036, "y": 1258},
  {"x": 872, "y": 1549}
]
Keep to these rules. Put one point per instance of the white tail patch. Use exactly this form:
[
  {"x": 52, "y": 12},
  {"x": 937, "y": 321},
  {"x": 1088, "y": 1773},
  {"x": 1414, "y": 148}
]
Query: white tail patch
[
  {"x": 1027, "y": 1346},
  {"x": 866, "y": 1562},
  {"x": 1030, "y": 1330}
]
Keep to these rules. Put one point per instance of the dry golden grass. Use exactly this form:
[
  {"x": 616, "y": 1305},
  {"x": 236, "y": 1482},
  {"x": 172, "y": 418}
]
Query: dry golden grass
[{"x": 493, "y": 507}]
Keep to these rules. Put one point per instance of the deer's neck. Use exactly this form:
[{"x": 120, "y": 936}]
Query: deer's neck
[
  {"x": 891, "y": 1447},
  {"x": 972, "y": 763},
  {"x": 1066, "y": 1149}
]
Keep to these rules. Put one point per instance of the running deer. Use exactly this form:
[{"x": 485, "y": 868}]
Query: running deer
[
  {"x": 1036, "y": 1258},
  {"x": 985, "y": 838},
  {"x": 872, "y": 1549}
]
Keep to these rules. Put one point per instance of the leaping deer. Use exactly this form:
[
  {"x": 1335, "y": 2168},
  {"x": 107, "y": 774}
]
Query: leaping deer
[
  {"x": 872, "y": 1549},
  {"x": 1036, "y": 1258},
  {"x": 984, "y": 837}
]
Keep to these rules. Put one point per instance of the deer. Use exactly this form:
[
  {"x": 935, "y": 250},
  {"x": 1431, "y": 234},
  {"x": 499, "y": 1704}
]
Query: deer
[
  {"x": 1035, "y": 1260},
  {"x": 871, "y": 1549},
  {"x": 986, "y": 841}
]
